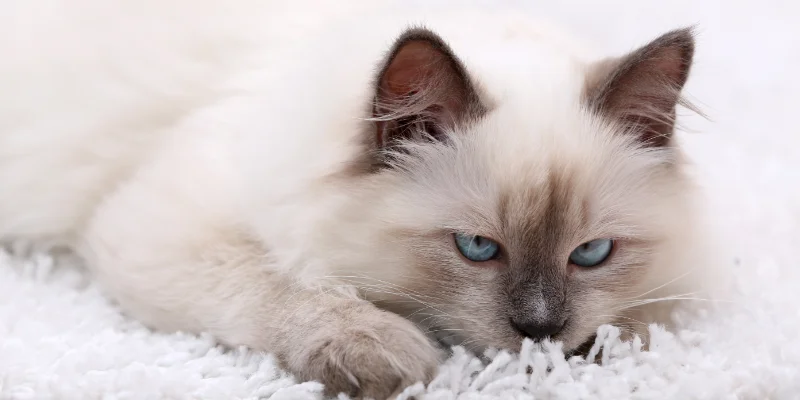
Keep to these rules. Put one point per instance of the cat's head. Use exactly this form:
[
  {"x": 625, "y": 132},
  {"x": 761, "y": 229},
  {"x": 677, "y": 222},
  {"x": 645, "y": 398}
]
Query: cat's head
[{"x": 539, "y": 219}]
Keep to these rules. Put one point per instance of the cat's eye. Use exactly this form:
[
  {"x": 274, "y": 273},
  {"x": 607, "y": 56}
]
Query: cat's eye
[
  {"x": 592, "y": 254},
  {"x": 477, "y": 248}
]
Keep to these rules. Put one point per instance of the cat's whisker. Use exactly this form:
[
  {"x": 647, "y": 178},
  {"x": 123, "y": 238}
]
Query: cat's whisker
[
  {"x": 637, "y": 303},
  {"x": 322, "y": 292},
  {"x": 300, "y": 289},
  {"x": 427, "y": 304},
  {"x": 668, "y": 298},
  {"x": 467, "y": 344},
  {"x": 427, "y": 315},
  {"x": 291, "y": 286},
  {"x": 357, "y": 278},
  {"x": 435, "y": 330},
  {"x": 631, "y": 320},
  {"x": 401, "y": 291},
  {"x": 662, "y": 286},
  {"x": 433, "y": 316}
]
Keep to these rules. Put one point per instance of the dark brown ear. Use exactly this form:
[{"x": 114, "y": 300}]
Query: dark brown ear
[
  {"x": 422, "y": 90},
  {"x": 642, "y": 89}
]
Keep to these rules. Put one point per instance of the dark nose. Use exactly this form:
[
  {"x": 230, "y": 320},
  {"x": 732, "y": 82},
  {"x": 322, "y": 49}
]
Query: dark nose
[{"x": 537, "y": 330}]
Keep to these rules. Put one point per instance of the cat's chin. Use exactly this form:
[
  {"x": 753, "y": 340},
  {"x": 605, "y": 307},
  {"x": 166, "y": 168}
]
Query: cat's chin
[
  {"x": 447, "y": 341},
  {"x": 582, "y": 349}
]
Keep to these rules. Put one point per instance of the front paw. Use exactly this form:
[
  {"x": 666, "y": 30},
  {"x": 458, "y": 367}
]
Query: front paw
[{"x": 376, "y": 358}]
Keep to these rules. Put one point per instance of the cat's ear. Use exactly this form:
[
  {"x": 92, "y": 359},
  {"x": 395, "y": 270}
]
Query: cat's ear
[
  {"x": 642, "y": 89},
  {"x": 422, "y": 90}
]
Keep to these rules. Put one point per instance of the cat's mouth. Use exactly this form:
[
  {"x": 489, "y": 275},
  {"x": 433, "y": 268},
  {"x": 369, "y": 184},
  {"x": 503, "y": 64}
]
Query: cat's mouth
[
  {"x": 583, "y": 349},
  {"x": 447, "y": 341}
]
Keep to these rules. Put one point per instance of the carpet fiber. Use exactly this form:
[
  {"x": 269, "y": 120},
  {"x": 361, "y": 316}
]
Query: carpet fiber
[{"x": 60, "y": 339}]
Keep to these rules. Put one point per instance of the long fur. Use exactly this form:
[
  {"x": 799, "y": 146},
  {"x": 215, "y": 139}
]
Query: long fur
[{"x": 199, "y": 157}]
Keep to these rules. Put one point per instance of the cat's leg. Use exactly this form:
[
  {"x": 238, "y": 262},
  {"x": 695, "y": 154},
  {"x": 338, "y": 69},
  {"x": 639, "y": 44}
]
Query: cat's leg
[{"x": 178, "y": 263}]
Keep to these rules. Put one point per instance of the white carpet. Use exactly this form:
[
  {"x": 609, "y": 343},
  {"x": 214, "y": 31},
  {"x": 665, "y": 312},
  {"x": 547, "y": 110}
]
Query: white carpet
[{"x": 59, "y": 339}]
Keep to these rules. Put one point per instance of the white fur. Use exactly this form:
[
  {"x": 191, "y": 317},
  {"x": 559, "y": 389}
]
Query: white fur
[
  {"x": 202, "y": 99},
  {"x": 180, "y": 139}
]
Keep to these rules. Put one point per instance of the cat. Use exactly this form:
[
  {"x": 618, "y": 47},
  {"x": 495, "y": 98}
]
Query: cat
[{"x": 350, "y": 189}]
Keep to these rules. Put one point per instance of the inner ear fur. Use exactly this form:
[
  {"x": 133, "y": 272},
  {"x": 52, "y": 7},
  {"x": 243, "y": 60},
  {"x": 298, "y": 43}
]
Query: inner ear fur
[
  {"x": 422, "y": 90},
  {"x": 642, "y": 89}
]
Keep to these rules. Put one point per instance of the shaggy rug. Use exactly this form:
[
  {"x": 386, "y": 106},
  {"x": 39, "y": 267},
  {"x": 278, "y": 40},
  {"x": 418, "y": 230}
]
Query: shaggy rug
[{"x": 60, "y": 339}]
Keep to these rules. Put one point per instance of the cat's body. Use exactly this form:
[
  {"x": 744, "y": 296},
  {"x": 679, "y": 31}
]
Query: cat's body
[{"x": 219, "y": 168}]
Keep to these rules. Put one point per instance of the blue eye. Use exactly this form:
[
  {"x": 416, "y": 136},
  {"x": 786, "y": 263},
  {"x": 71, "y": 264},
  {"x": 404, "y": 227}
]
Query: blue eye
[
  {"x": 476, "y": 248},
  {"x": 591, "y": 254}
]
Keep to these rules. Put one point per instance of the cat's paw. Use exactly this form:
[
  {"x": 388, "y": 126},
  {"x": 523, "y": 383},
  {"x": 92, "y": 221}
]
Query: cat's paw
[{"x": 377, "y": 358}]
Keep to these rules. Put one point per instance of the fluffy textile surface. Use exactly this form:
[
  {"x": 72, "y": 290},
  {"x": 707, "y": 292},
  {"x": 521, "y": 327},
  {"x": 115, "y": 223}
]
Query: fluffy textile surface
[{"x": 60, "y": 339}]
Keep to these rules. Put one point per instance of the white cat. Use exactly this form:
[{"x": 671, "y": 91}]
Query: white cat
[{"x": 331, "y": 186}]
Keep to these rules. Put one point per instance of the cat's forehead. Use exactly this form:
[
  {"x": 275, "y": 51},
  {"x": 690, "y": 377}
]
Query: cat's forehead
[
  {"x": 567, "y": 171},
  {"x": 546, "y": 210},
  {"x": 516, "y": 170},
  {"x": 559, "y": 149}
]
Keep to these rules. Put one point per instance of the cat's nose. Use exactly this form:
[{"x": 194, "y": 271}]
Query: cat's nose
[{"x": 538, "y": 330}]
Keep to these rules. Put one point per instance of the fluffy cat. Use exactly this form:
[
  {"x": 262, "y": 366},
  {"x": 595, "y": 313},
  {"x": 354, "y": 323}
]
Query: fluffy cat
[{"x": 340, "y": 188}]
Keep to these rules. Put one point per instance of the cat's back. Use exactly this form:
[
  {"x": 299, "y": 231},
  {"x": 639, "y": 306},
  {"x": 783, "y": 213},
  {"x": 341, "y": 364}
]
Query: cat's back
[{"x": 91, "y": 88}]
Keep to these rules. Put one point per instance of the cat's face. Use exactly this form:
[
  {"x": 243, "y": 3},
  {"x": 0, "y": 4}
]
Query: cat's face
[
  {"x": 509, "y": 226},
  {"x": 496, "y": 246}
]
